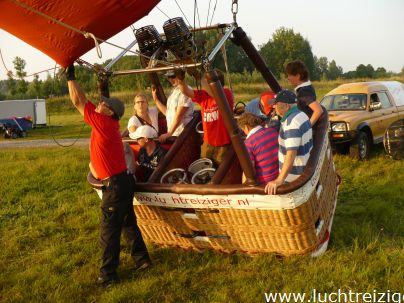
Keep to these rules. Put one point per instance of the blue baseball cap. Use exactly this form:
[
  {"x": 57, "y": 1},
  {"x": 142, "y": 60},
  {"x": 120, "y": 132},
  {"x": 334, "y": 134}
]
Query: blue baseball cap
[{"x": 286, "y": 96}]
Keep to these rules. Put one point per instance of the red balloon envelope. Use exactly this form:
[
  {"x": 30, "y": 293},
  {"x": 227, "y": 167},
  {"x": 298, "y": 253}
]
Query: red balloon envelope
[{"x": 29, "y": 21}]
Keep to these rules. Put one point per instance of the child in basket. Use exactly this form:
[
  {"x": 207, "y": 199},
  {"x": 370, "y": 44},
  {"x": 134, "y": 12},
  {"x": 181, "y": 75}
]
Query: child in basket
[{"x": 150, "y": 152}]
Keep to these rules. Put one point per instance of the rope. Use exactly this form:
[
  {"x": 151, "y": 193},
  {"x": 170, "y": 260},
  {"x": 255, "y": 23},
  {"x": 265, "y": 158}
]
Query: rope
[
  {"x": 50, "y": 128},
  {"x": 182, "y": 13},
  {"x": 207, "y": 16},
  {"x": 226, "y": 66},
  {"x": 163, "y": 12},
  {"x": 85, "y": 34},
  {"x": 97, "y": 46},
  {"x": 9, "y": 72},
  {"x": 197, "y": 11},
  {"x": 214, "y": 10},
  {"x": 42, "y": 71}
]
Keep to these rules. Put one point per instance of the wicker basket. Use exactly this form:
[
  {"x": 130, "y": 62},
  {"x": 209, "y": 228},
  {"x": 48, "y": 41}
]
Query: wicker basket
[{"x": 287, "y": 231}]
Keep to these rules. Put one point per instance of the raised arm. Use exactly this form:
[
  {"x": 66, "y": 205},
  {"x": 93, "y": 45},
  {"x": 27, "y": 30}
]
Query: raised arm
[
  {"x": 179, "y": 114},
  {"x": 161, "y": 107},
  {"x": 185, "y": 89},
  {"x": 188, "y": 91},
  {"x": 77, "y": 95},
  {"x": 317, "y": 112}
]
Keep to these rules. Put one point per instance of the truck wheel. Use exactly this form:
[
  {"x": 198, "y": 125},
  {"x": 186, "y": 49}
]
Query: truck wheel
[{"x": 360, "y": 150}]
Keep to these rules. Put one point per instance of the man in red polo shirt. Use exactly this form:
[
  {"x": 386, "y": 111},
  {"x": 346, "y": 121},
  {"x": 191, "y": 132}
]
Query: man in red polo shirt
[
  {"x": 216, "y": 139},
  {"x": 108, "y": 161}
]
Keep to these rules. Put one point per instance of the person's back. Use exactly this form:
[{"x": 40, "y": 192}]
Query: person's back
[
  {"x": 106, "y": 149},
  {"x": 295, "y": 133},
  {"x": 262, "y": 147}
]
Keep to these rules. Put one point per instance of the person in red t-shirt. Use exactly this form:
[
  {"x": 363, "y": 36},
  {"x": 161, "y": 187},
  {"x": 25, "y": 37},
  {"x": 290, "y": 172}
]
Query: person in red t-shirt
[
  {"x": 216, "y": 139},
  {"x": 107, "y": 161}
]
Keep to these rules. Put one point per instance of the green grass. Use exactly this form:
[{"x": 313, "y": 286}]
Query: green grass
[
  {"x": 49, "y": 231},
  {"x": 49, "y": 240}
]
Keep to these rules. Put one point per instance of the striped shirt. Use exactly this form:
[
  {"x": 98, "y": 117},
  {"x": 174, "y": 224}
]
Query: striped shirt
[
  {"x": 295, "y": 134},
  {"x": 262, "y": 146}
]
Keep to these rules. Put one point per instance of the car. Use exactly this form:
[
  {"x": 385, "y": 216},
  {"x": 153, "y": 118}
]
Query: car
[{"x": 360, "y": 113}]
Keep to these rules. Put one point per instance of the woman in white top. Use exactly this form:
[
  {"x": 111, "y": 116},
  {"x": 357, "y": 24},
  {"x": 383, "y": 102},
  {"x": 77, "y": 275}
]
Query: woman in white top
[{"x": 142, "y": 115}]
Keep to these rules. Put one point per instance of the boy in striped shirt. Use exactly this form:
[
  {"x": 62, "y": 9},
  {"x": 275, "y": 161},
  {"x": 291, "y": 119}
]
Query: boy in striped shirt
[
  {"x": 262, "y": 146},
  {"x": 295, "y": 140}
]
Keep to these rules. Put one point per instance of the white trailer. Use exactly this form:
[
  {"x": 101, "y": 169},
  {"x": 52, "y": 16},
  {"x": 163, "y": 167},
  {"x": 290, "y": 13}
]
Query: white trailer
[{"x": 35, "y": 108}]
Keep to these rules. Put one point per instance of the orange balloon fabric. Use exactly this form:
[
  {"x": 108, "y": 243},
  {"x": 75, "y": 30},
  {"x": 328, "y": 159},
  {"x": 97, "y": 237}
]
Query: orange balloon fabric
[{"x": 102, "y": 18}]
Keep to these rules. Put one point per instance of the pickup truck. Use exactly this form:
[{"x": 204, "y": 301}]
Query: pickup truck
[{"x": 360, "y": 113}]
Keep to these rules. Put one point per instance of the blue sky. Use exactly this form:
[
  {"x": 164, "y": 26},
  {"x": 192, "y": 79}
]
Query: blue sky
[{"x": 349, "y": 32}]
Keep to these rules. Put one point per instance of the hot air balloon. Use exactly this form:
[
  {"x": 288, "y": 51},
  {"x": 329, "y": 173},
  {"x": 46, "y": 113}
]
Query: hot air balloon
[{"x": 186, "y": 202}]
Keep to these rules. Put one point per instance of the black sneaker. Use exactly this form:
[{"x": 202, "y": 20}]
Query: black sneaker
[
  {"x": 107, "y": 280},
  {"x": 142, "y": 264}
]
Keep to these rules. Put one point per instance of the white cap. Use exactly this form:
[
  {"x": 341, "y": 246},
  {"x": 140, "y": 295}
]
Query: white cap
[{"x": 144, "y": 131}]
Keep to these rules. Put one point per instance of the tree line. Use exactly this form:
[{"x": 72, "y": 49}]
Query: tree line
[{"x": 284, "y": 46}]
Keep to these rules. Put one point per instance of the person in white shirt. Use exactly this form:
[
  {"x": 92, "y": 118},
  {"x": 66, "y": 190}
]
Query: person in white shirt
[
  {"x": 178, "y": 111},
  {"x": 142, "y": 115}
]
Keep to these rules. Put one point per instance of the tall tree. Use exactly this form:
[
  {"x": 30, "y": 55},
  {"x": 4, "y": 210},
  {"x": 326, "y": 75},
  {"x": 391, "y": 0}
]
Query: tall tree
[
  {"x": 380, "y": 72},
  {"x": 363, "y": 71},
  {"x": 34, "y": 88},
  {"x": 19, "y": 66},
  {"x": 285, "y": 46},
  {"x": 47, "y": 86},
  {"x": 11, "y": 84},
  {"x": 321, "y": 67},
  {"x": 334, "y": 71}
]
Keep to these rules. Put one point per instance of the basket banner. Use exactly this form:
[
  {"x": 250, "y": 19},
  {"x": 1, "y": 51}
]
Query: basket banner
[{"x": 214, "y": 201}]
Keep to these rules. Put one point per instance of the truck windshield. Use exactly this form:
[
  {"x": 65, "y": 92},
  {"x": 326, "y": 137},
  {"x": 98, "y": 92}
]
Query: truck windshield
[{"x": 344, "y": 102}]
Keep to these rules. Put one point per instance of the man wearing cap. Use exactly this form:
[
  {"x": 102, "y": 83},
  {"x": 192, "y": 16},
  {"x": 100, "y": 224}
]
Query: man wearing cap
[
  {"x": 108, "y": 161},
  {"x": 295, "y": 140},
  {"x": 178, "y": 111},
  {"x": 150, "y": 152}
]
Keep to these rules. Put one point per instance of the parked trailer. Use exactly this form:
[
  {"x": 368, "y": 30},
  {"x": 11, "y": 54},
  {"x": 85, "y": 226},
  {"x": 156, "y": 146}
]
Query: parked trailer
[{"x": 35, "y": 108}]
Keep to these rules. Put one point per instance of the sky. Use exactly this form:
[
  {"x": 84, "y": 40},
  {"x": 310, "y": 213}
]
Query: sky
[{"x": 351, "y": 32}]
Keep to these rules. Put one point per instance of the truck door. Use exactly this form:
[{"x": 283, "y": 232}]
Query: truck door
[{"x": 386, "y": 114}]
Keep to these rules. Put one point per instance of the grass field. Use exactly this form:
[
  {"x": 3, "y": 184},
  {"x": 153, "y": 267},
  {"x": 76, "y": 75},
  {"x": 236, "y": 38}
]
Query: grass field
[
  {"x": 49, "y": 239},
  {"x": 49, "y": 234}
]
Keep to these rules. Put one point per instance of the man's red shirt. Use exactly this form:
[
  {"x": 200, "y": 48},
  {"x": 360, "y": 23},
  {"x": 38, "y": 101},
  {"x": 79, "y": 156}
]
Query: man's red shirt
[
  {"x": 106, "y": 148},
  {"x": 215, "y": 132}
]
